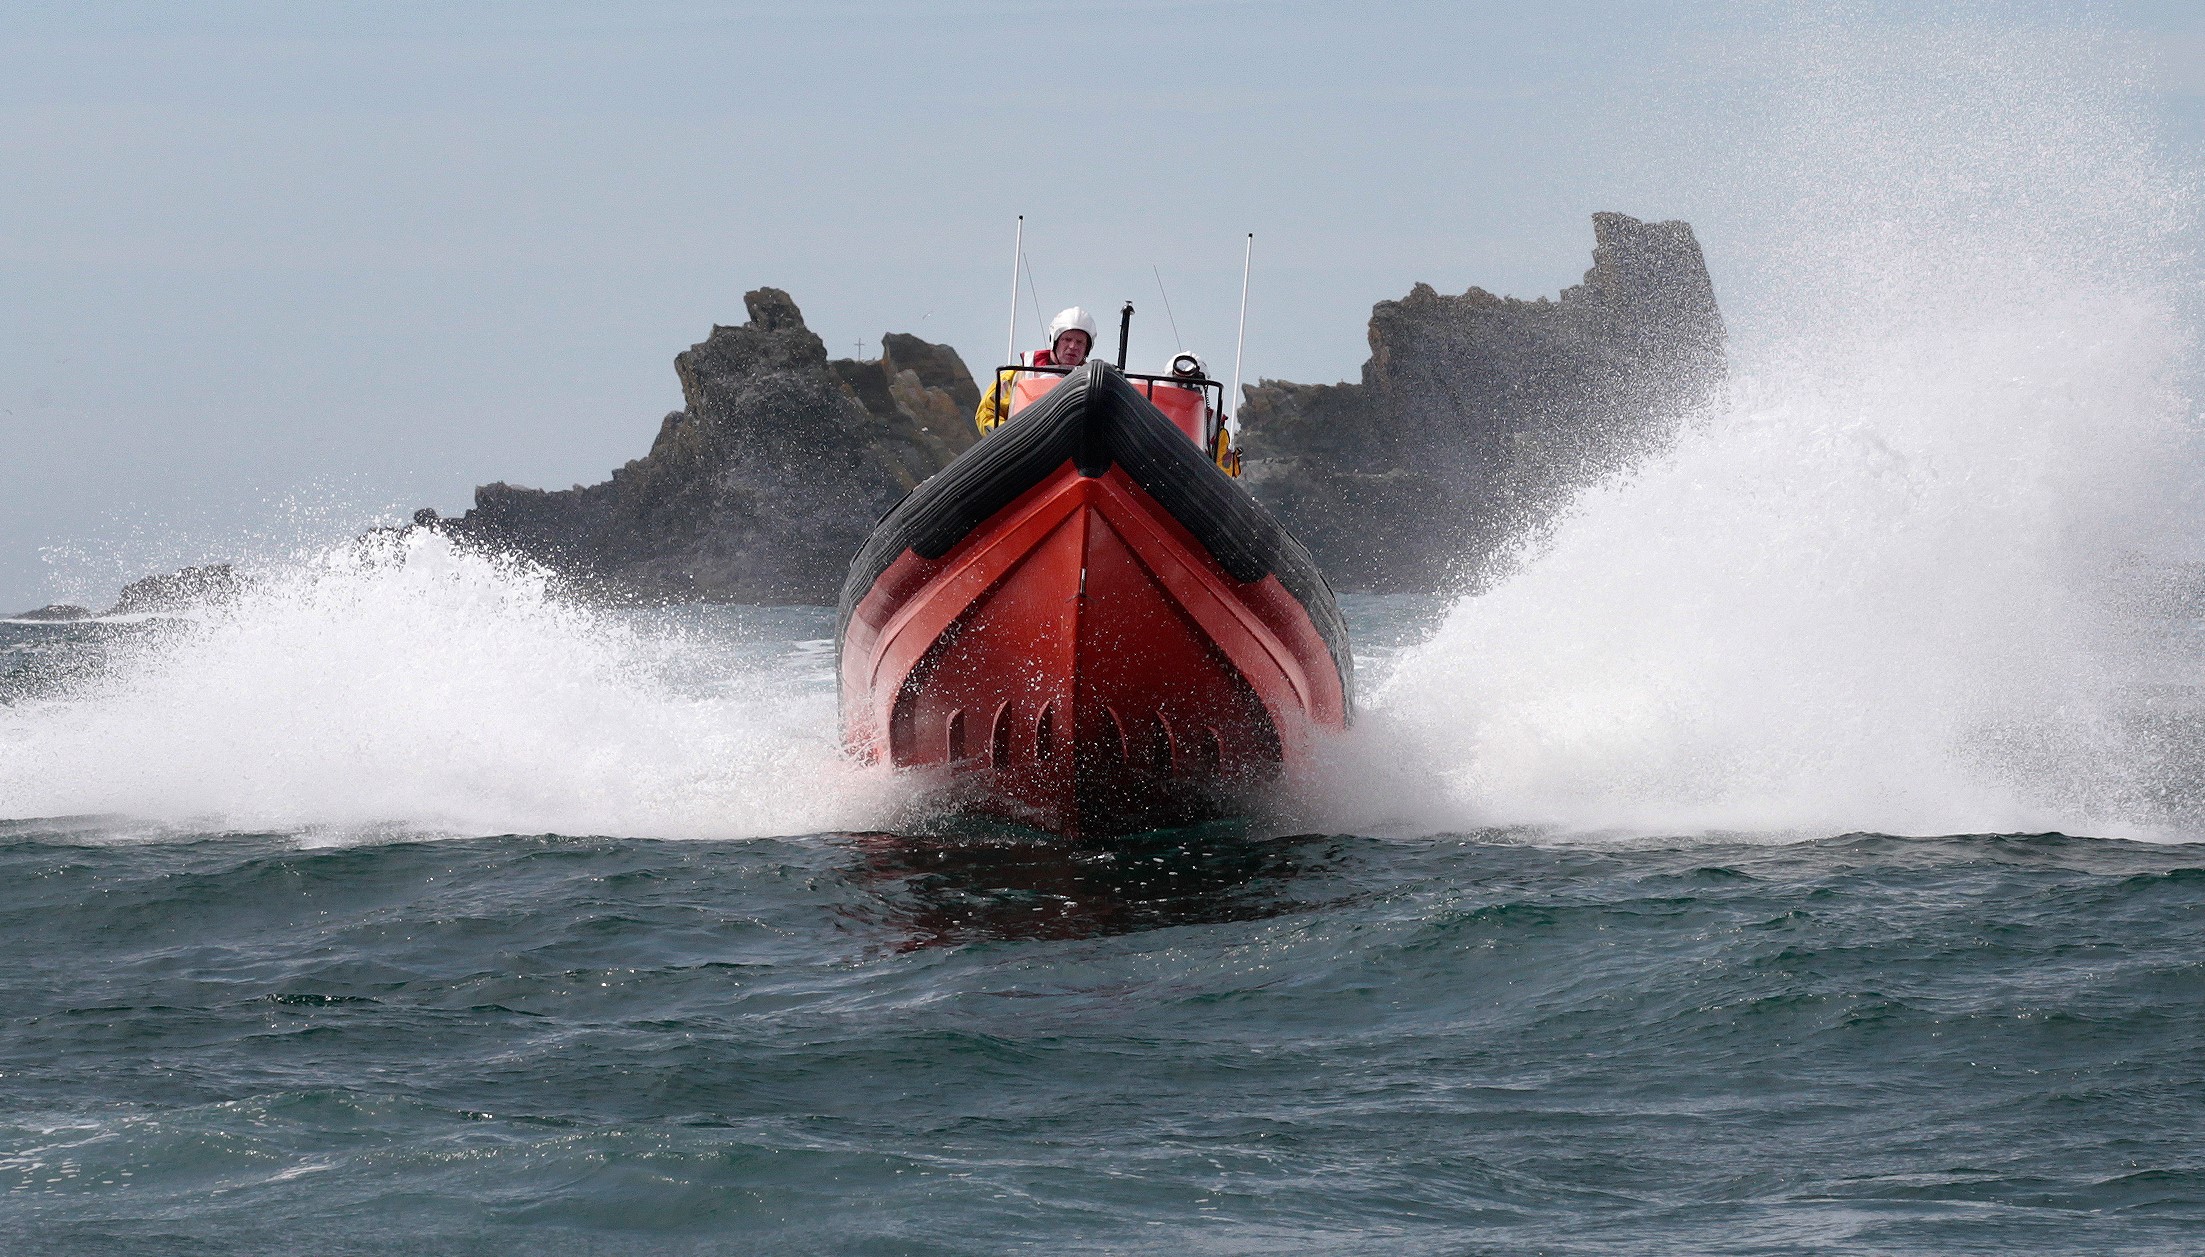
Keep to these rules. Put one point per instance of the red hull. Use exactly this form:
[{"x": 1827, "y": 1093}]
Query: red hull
[{"x": 1080, "y": 662}]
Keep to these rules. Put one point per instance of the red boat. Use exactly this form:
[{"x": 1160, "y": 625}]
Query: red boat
[{"x": 1085, "y": 625}]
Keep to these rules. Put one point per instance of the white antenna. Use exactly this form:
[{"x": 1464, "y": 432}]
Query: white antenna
[
  {"x": 1040, "y": 320},
  {"x": 1240, "y": 342},
  {"x": 1167, "y": 305},
  {"x": 1018, "y": 255}
]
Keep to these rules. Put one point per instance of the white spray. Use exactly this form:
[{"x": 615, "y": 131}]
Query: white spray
[
  {"x": 408, "y": 684},
  {"x": 1869, "y": 594},
  {"x": 1872, "y": 593}
]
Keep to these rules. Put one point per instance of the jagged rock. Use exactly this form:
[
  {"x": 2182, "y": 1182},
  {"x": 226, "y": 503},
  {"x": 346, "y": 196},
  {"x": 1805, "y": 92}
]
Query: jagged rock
[
  {"x": 1479, "y": 416},
  {"x": 56, "y": 612},
  {"x": 212, "y": 585},
  {"x": 1476, "y": 418},
  {"x": 767, "y": 480},
  {"x": 920, "y": 386}
]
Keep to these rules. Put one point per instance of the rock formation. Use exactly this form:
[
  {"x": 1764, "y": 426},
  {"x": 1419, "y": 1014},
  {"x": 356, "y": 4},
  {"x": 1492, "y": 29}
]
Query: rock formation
[
  {"x": 212, "y": 585},
  {"x": 1478, "y": 416},
  {"x": 765, "y": 483},
  {"x": 1476, "y": 419}
]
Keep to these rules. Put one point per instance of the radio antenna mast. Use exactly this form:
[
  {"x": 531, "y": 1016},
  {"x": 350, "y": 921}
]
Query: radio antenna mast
[
  {"x": 1240, "y": 342},
  {"x": 1018, "y": 255},
  {"x": 1167, "y": 306}
]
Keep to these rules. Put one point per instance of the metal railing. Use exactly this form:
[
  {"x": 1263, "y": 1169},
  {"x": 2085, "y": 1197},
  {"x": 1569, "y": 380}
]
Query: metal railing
[{"x": 1215, "y": 389}]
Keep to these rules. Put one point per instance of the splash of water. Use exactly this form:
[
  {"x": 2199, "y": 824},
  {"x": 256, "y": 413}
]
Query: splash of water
[
  {"x": 412, "y": 685},
  {"x": 1867, "y": 594},
  {"x": 1871, "y": 592}
]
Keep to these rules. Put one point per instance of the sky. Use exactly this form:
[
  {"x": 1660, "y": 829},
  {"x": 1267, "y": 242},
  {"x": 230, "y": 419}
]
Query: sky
[{"x": 270, "y": 272}]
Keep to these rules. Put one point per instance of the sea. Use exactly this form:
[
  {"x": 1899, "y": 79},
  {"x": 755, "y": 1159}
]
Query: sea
[
  {"x": 407, "y": 907},
  {"x": 1795, "y": 845}
]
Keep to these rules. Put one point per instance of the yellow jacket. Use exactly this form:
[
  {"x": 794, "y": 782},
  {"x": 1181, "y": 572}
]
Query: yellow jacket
[
  {"x": 997, "y": 403},
  {"x": 990, "y": 415}
]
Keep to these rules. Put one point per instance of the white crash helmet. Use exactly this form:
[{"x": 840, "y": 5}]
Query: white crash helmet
[
  {"x": 1072, "y": 320},
  {"x": 1188, "y": 366}
]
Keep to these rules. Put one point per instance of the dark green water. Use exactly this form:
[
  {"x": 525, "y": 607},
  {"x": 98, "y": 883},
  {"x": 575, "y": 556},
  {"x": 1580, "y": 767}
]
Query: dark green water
[{"x": 1213, "y": 1043}]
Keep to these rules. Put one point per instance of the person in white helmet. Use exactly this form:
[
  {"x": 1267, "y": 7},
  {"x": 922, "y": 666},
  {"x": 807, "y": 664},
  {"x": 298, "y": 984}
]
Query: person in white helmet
[
  {"x": 1192, "y": 369},
  {"x": 1071, "y": 339}
]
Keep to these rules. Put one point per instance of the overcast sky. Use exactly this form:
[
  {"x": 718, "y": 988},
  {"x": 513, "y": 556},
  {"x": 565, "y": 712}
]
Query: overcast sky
[{"x": 268, "y": 268}]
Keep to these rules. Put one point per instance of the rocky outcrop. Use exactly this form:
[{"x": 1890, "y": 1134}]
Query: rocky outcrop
[
  {"x": 1476, "y": 419},
  {"x": 212, "y": 585},
  {"x": 767, "y": 480},
  {"x": 1479, "y": 416}
]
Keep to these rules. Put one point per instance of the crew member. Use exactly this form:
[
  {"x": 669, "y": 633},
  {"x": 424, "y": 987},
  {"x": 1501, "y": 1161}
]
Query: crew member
[
  {"x": 1186, "y": 366},
  {"x": 1071, "y": 338},
  {"x": 1191, "y": 368}
]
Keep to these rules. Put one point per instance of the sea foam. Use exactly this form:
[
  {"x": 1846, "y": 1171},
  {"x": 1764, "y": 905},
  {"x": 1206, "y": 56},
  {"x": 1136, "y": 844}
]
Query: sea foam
[
  {"x": 1874, "y": 590},
  {"x": 406, "y": 684}
]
